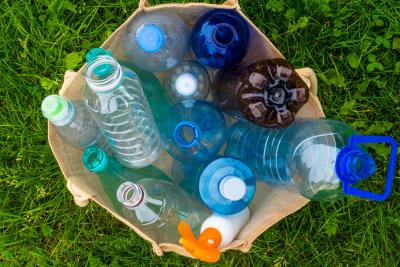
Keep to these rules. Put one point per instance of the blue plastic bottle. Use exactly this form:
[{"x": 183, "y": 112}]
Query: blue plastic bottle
[
  {"x": 226, "y": 185},
  {"x": 325, "y": 159},
  {"x": 116, "y": 101},
  {"x": 156, "y": 41},
  {"x": 187, "y": 81},
  {"x": 111, "y": 173},
  {"x": 193, "y": 131},
  {"x": 72, "y": 121},
  {"x": 220, "y": 38}
]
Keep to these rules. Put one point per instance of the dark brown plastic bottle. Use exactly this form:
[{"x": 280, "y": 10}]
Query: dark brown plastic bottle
[{"x": 268, "y": 93}]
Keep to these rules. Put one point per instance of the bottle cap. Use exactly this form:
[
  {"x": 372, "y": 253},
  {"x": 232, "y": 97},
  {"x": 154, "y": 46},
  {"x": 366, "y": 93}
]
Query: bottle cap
[
  {"x": 150, "y": 38},
  {"x": 205, "y": 247},
  {"x": 94, "y": 159},
  {"x": 95, "y": 52},
  {"x": 55, "y": 108},
  {"x": 232, "y": 188},
  {"x": 186, "y": 84}
]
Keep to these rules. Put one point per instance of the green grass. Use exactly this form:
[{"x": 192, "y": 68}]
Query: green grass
[{"x": 354, "y": 47}]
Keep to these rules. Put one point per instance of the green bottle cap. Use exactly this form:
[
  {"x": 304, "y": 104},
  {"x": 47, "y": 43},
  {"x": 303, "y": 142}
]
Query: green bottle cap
[{"x": 55, "y": 107}]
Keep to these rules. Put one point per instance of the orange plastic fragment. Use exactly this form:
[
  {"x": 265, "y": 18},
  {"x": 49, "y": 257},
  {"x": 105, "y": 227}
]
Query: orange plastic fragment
[{"x": 205, "y": 247}]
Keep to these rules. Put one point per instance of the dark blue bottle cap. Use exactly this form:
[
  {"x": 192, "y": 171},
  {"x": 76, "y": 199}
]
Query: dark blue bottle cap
[{"x": 150, "y": 38}]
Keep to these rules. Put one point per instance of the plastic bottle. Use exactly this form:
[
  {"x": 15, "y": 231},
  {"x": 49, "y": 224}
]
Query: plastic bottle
[
  {"x": 268, "y": 93},
  {"x": 220, "y": 38},
  {"x": 111, "y": 173},
  {"x": 72, "y": 121},
  {"x": 193, "y": 131},
  {"x": 156, "y": 41},
  {"x": 188, "y": 80},
  {"x": 217, "y": 231},
  {"x": 226, "y": 185},
  {"x": 156, "y": 96},
  {"x": 157, "y": 206},
  {"x": 116, "y": 101},
  {"x": 325, "y": 159}
]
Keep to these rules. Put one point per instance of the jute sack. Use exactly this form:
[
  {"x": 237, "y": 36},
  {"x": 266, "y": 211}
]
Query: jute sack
[{"x": 269, "y": 204}]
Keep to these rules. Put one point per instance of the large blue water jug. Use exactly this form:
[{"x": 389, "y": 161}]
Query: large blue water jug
[
  {"x": 220, "y": 38},
  {"x": 325, "y": 159},
  {"x": 156, "y": 41},
  {"x": 193, "y": 131}
]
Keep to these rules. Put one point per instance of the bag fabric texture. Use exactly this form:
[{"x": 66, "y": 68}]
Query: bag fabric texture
[{"x": 269, "y": 205}]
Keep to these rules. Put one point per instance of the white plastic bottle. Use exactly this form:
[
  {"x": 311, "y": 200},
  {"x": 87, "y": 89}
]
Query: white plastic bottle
[{"x": 227, "y": 225}]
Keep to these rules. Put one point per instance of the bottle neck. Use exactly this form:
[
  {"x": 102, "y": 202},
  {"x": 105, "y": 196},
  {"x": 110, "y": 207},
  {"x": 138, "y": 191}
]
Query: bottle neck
[
  {"x": 131, "y": 195},
  {"x": 95, "y": 159},
  {"x": 187, "y": 134},
  {"x": 103, "y": 74},
  {"x": 186, "y": 84},
  {"x": 224, "y": 35},
  {"x": 353, "y": 164}
]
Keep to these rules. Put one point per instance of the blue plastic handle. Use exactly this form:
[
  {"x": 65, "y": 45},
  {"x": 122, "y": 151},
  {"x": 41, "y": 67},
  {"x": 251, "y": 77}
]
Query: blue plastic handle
[{"x": 360, "y": 139}]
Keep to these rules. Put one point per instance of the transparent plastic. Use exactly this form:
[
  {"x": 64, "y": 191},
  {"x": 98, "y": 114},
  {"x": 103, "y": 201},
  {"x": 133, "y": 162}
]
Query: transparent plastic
[
  {"x": 156, "y": 41},
  {"x": 116, "y": 101},
  {"x": 157, "y": 207},
  {"x": 72, "y": 121},
  {"x": 193, "y": 131},
  {"x": 188, "y": 80}
]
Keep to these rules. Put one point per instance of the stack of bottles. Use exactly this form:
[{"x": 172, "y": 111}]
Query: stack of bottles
[{"x": 128, "y": 117}]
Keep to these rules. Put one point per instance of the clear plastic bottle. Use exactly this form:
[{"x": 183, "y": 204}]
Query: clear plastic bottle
[
  {"x": 157, "y": 207},
  {"x": 220, "y": 38},
  {"x": 156, "y": 41},
  {"x": 111, "y": 173},
  {"x": 323, "y": 158},
  {"x": 116, "y": 101},
  {"x": 188, "y": 80},
  {"x": 193, "y": 131},
  {"x": 72, "y": 121}
]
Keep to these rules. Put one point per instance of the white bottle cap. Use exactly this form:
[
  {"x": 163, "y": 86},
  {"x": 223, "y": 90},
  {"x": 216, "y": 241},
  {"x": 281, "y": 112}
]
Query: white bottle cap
[
  {"x": 232, "y": 188},
  {"x": 186, "y": 84}
]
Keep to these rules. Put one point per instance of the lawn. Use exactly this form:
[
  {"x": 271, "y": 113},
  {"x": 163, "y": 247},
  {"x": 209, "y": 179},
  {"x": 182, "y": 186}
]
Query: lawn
[{"x": 353, "y": 46}]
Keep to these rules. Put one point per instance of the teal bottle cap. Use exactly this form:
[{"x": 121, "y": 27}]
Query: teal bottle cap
[
  {"x": 150, "y": 38},
  {"x": 94, "y": 159},
  {"x": 55, "y": 108}
]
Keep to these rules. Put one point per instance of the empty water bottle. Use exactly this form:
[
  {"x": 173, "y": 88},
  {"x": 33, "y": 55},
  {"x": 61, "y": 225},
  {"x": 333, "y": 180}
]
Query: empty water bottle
[
  {"x": 111, "y": 173},
  {"x": 156, "y": 41},
  {"x": 226, "y": 185},
  {"x": 157, "y": 206},
  {"x": 116, "y": 101},
  {"x": 193, "y": 131},
  {"x": 324, "y": 159},
  {"x": 156, "y": 96},
  {"x": 188, "y": 80},
  {"x": 268, "y": 93},
  {"x": 220, "y": 38},
  {"x": 72, "y": 121}
]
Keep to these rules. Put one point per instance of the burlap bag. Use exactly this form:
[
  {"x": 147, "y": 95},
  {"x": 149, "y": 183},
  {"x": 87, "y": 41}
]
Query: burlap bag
[{"x": 269, "y": 205}]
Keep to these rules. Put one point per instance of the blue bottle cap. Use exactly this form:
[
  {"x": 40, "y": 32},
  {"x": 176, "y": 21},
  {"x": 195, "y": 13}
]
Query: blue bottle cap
[
  {"x": 94, "y": 159},
  {"x": 150, "y": 38}
]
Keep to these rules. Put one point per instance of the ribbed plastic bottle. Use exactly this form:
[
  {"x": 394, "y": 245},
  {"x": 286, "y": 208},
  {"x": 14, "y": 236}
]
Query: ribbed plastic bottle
[
  {"x": 226, "y": 185},
  {"x": 111, "y": 173},
  {"x": 72, "y": 121},
  {"x": 116, "y": 101},
  {"x": 220, "y": 38},
  {"x": 157, "y": 207},
  {"x": 187, "y": 81},
  {"x": 194, "y": 131},
  {"x": 268, "y": 93},
  {"x": 156, "y": 96},
  {"x": 156, "y": 41},
  {"x": 325, "y": 159}
]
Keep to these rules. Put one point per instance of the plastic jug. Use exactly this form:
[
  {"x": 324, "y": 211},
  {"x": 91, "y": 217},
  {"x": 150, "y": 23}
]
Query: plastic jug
[
  {"x": 156, "y": 41},
  {"x": 325, "y": 159},
  {"x": 111, "y": 173},
  {"x": 116, "y": 101},
  {"x": 188, "y": 80},
  {"x": 268, "y": 93},
  {"x": 193, "y": 131},
  {"x": 72, "y": 121},
  {"x": 220, "y": 38}
]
